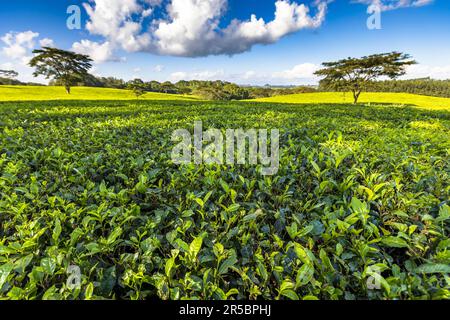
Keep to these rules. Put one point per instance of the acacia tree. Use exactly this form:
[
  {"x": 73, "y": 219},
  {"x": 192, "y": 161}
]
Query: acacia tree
[
  {"x": 63, "y": 66},
  {"x": 355, "y": 74},
  {"x": 8, "y": 74}
]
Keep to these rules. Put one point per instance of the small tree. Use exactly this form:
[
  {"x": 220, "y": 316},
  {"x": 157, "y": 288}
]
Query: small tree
[
  {"x": 168, "y": 87},
  {"x": 354, "y": 74},
  {"x": 137, "y": 86},
  {"x": 63, "y": 66},
  {"x": 10, "y": 74},
  {"x": 155, "y": 86}
]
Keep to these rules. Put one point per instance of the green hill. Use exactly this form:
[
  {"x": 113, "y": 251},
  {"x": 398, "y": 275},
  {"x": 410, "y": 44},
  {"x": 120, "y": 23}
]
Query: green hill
[
  {"x": 370, "y": 97},
  {"x": 31, "y": 93}
]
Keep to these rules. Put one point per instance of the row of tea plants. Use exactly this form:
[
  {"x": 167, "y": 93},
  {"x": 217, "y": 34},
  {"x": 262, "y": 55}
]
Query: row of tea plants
[{"x": 361, "y": 198}]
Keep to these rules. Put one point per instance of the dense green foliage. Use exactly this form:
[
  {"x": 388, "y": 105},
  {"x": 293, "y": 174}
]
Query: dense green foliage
[
  {"x": 426, "y": 86},
  {"x": 138, "y": 87},
  {"x": 429, "y": 87},
  {"x": 265, "y": 92},
  {"x": 360, "y": 188},
  {"x": 96, "y": 82},
  {"x": 15, "y": 82},
  {"x": 208, "y": 90}
]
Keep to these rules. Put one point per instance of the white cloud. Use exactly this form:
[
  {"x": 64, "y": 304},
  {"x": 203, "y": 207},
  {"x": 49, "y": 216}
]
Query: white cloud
[
  {"x": 425, "y": 71},
  {"x": 301, "y": 71},
  {"x": 302, "y": 74},
  {"x": 158, "y": 68},
  {"x": 18, "y": 45},
  {"x": 190, "y": 28},
  {"x": 99, "y": 52},
  {"x": 249, "y": 74},
  {"x": 46, "y": 42},
  {"x": 6, "y": 66},
  {"x": 179, "y": 75},
  {"x": 198, "y": 75},
  {"x": 386, "y": 5},
  {"x": 113, "y": 19},
  {"x": 17, "y": 48}
]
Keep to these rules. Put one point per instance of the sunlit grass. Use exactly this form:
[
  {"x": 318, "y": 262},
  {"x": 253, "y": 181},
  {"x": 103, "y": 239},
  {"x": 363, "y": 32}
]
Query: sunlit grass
[
  {"x": 36, "y": 93},
  {"x": 432, "y": 103}
]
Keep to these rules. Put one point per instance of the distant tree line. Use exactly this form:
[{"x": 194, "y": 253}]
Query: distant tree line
[
  {"x": 210, "y": 90},
  {"x": 7, "y": 78},
  {"x": 268, "y": 91},
  {"x": 13, "y": 82},
  {"x": 424, "y": 86},
  {"x": 92, "y": 81}
]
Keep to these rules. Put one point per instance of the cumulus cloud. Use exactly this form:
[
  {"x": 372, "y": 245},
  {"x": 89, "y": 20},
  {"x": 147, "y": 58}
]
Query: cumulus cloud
[
  {"x": 206, "y": 75},
  {"x": 191, "y": 28},
  {"x": 99, "y": 52},
  {"x": 386, "y": 5},
  {"x": 300, "y": 71},
  {"x": 113, "y": 19},
  {"x": 158, "y": 68},
  {"x": 18, "y": 45},
  {"x": 6, "y": 66},
  {"x": 427, "y": 71},
  {"x": 302, "y": 74},
  {"x": 17, "y": 48},
  {"x": 249, "y": 75},
  {"x": 46, "y": 42}
]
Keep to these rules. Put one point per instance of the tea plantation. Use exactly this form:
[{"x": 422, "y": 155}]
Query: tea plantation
[
  {"x": 39, "y": 93},
  {"x": 360, "y": 207}
]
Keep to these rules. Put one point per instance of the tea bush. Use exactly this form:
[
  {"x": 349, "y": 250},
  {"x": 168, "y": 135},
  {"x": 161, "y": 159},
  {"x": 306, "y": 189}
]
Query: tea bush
[{"x": 361, "y": 198}]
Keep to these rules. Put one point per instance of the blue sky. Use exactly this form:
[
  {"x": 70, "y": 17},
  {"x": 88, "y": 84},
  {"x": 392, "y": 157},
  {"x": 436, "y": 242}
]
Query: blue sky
[{"x": 172, "y": 39}]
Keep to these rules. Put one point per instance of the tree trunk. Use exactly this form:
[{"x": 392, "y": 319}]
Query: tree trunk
[
  {"x": 356, "y": 95},
  {"x": 68, "y": 89}
]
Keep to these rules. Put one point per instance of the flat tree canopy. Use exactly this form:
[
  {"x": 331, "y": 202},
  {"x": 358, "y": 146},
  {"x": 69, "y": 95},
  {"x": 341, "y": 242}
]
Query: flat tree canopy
[
  {"x": 8, "y": 73},
  {"x": 65, "y": 66},
  {"x": 355, "y": 74}
]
